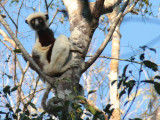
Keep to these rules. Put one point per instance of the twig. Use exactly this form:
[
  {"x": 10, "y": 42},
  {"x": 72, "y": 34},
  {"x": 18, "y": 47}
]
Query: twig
[
  {"x": 20, "y": 86},
  {"x": 130, "y": 9},
  {"x": 50, "y": 3},
  {"x": 117, "y": 59},
  {"x": 19, "y": 13},
  {"x": 54, "y": 17},
  {"x": 31, "y": 95},
  {"x": 107, "y": 39},
  {"x": 8, "y": 15},
  {"x": 46, "y": 5},
  {"x": 6, "y": 38}
]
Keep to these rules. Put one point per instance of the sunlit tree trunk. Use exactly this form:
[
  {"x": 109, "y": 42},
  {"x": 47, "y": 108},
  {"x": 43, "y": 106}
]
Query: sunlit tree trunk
[{"x": 113, "y": 74}]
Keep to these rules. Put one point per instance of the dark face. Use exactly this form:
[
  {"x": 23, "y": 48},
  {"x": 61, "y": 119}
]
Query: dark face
[{"x": 38, "y": 24}]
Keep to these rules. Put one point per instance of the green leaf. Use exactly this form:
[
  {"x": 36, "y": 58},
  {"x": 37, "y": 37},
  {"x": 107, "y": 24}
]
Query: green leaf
[
  {"x": 14, "y": 88},
  {"x": 143, "y": 47},
  {"x": 119, "y": 83},
  {"x": 151, "y": 65},
  {"x": 80, "y": 98},
  {"x": 153, "y": 49},
  {"x": 130, "y": 83},
  {"x": 148, "y": 81},
  {"x": 91, "y": 109},
  {"x": 8, "y": 105},
  {"x": 27, "y": 112},
  {"x": 99, "y": 116},
  {"x": 141, "y": 57},
  {"x": 157, "y": 87},
  {"x": 18, "y": 110},
  {"x": 136, "y": 119},
  {"x": 92, "y": 91},
  {"x": 9, "y": 76},
  {"x": 113, "y": 82},
  {"x": 7, "y": 89},
  {"x": 14, "y": 116},
  {"x": 121, "y": 93},
  {"x": 107, "y": 108},
  {"x": 32, "y": 105},
  {"x": 157, "y": 77},
  {"x": 126, "y": 103},
  {"x": 17, "y": 50},
  {"x": 34, "y": 115},
  {"x": 124, "y": 71},
  {"x": 2, "y": 112}
]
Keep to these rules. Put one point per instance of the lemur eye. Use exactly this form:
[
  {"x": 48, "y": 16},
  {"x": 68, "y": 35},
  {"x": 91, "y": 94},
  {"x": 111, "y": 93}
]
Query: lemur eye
[
  {"x": 40, "y": 21},
  {"x": 33, "y": 22}
]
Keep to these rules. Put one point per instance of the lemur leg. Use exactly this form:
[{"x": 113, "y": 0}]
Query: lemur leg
[{"x": 59, "y": 56}]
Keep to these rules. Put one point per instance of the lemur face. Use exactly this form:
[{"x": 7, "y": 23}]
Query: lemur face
[
  {"x": 38, "y": 21},
  {"x": 38, "y": 24}
]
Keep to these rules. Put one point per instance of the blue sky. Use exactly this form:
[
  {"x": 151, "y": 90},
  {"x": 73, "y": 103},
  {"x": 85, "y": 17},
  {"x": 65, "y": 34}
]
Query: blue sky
[{"x": 136, "y": 31}]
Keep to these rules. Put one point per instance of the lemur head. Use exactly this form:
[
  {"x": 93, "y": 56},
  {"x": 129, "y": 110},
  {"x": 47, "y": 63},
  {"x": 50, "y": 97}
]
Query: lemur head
[{"x": 38, "y": 21}]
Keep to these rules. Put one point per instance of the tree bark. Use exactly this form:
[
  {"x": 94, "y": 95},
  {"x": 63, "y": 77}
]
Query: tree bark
[{"x": 114, "y": 70}]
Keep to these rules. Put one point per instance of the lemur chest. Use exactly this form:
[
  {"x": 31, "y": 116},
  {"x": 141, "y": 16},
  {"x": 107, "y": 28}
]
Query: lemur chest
[{"x": 42, "y": 50}]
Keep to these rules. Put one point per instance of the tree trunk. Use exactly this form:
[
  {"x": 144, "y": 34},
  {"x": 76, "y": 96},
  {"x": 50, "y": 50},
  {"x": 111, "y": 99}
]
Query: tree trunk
[{"x": 114, "y": 71}]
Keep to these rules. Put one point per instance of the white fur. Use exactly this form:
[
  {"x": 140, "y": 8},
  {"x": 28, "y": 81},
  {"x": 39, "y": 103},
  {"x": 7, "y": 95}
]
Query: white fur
[
  {"x": 59, "y": 55},
  {"x": 35, "y": 15}
]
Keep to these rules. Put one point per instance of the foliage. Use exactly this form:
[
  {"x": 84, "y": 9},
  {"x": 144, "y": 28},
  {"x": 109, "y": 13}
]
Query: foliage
[{"x": 126, "y": 84}]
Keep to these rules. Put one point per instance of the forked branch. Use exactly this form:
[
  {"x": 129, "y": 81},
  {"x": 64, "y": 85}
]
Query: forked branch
[{"x": 107, "y": 39}]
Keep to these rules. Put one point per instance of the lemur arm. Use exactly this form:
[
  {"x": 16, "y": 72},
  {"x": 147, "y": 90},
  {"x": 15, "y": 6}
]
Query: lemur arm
[{"x": 60, "y": 62}]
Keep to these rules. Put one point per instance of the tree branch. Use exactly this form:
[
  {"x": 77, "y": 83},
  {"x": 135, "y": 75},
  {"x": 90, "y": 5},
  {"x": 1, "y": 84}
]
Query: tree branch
[
  {"x": 97, "y": 10},
  {"x": 9, "y": 15},
  {"x": 6, "y": 38},
  {"x": 107, "y": 6},
  {"x": 54, "y": 17},
  {"x": 107, "y": 39},
  {"x": 46, "y": 5}
]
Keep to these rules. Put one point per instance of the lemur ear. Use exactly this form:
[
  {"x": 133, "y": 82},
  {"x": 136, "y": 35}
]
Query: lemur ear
[
  {"x": 47, "y": 17},
  {"x": 26, "y": 21}
]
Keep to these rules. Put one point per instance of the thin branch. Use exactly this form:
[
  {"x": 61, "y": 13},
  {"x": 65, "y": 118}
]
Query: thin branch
[
  {"x": 117, "y": 59},
  {"x": 54, "y": 17},
  {"x": 6, "y": 38},
  {"x": 107, "y": 6},
  {"x": 131, "y": 8},
  {"x": 107, "y": 39},
  {"x": 31, "y": 95},
  {"x": 50, "y": 3},
  {"x": 46, "y": 5},
  {"x": 20, "y": 86},
  {"x": 19, "y": 13},
  {"x": 9, "y": 15}
]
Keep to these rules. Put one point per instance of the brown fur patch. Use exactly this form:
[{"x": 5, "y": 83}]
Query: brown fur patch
[{"x": 46, "y": 37}]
